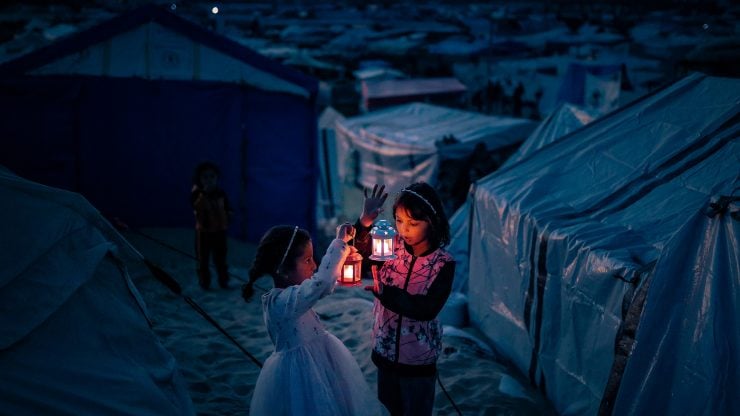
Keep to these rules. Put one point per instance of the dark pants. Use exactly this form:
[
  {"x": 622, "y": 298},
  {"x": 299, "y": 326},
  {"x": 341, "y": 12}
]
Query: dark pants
[
  {"x": 406, "y": 396},
  {"x": 207, "y": 245}
]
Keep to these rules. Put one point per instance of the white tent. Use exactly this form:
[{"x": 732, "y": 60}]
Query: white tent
[
  {"x": 605, "y": 265},
  {"x": 74, "y": 335},
  {"x": 403, "y": 144}
]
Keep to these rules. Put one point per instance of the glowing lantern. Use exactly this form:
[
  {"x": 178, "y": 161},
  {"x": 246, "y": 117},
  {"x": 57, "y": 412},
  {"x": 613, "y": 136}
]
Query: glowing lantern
[
  {"x": 383, "y": 235},
  {"x": 351, "y": 270}
]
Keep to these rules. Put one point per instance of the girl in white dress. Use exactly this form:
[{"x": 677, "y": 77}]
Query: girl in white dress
[{"x": 310, "y": 372}]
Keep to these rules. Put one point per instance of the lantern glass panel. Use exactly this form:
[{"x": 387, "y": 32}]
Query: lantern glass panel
[{"x": 351, "y": 270}]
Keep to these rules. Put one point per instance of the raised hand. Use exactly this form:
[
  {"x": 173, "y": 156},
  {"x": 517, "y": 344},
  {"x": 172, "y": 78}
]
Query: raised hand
[{"x": 372, "y": 205}]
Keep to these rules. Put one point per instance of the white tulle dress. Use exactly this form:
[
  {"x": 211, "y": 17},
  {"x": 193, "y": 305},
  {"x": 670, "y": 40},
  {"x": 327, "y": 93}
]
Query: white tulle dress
[{"x": 310, "y": 372}]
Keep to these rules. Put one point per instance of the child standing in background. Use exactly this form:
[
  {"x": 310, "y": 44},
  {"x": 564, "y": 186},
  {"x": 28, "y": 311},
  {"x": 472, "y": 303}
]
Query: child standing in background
[
  {"x": 212, "y": 216},
  {"x": 409, "y": 293},
  {"x": 310, "y": 372}
]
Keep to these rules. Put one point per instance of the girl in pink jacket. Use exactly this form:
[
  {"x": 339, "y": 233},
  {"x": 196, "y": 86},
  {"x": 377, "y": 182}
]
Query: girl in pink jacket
[{"x": 410, "y": 291}]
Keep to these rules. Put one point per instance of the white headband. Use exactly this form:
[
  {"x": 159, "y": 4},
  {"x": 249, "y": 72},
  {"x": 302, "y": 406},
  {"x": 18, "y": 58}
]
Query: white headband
[
  {"x": 287, "y": 249},
  {"x": 422, "y": 198}
]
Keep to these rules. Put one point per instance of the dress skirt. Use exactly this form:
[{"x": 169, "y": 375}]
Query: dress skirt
[{"x": 320, "y": 377}]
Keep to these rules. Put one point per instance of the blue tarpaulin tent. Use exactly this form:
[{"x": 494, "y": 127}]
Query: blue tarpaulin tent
[
  {"x": 563, "y": 120},
  {"x": 605, "y": 264},
  {"x": 75, "y": 336},
  {"x": 123, "y": 112}
]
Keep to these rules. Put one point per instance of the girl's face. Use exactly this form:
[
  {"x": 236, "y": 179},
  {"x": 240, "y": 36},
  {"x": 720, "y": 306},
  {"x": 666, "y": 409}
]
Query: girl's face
[
  {"x": 304, "y": 266},
  {"x": 414, "y": 232}
]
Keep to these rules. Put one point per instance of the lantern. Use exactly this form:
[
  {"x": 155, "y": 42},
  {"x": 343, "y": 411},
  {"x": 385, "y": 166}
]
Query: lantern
[
  {"x": 351, "y": 270},
  {"x": 383, "y": 235}
]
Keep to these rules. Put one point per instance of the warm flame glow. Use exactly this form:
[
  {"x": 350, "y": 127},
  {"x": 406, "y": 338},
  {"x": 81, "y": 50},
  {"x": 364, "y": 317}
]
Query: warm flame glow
[
  {"x": 348, "y": 273},
  {"x": 383, "y": 235},
  {"x": 351, "y": 273},
  {"x": 383, "y": 247}
]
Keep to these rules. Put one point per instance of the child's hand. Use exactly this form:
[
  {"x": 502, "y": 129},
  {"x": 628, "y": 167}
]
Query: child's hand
[
  {"x": 345, "y": 232},
  {"x": 372, "y": 205},
  {"x": 377, "y": 287}
]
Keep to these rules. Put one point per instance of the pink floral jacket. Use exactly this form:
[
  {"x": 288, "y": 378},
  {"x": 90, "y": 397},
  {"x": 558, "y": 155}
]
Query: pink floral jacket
[{"x": 407, "y": 335}]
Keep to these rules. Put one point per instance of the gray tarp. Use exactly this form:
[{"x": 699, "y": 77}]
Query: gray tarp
[
  {"x": 74, "y": 338},
  {"x": 564, "y": 241},
  {"x": 404, "y": 144}
]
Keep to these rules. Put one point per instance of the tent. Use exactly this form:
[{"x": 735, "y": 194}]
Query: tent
[
  {"x": 605, "y": 265},
  {"x": 329, "y": 190},
  {"x": 377, "y": 94},
  {"x": 122, "y": 113},
  {"x": 595, "y": 86},
  {"x": 408, "y": 143},
  {"x": 74, "y": 334},
  {"x": 563, "y": 120}
]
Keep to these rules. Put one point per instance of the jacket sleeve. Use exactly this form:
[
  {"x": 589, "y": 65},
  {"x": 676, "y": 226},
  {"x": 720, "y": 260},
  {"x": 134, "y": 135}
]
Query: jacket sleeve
[
  {"x": 420, "y": 307},
  {"x": 363, "y": 241}
]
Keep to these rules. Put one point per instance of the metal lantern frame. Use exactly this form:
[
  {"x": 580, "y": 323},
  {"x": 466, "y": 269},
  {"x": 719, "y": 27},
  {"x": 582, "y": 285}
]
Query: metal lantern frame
[
  {"x": 384, "y": 240},
  {"x": 351, "y": 274}
]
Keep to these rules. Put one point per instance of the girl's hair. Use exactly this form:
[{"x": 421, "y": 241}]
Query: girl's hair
[
  {"x": 422, "y": 203},
  {"x": 203, "y": 167},
  {"x": 270, "y": 252}
]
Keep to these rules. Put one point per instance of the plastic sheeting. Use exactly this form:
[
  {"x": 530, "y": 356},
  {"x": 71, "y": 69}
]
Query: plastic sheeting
[
  {"x": 595, "y": 86},
  {"x": 151, "y": 42},
  {"x": 688, "y": 340},
  {"x": 381, "y": 93},
  {"x": 563, "y": 120},
  {"x": 74, "y": 337},
  {"x": 564, "y": 240},
  {"x": 404, "y": 144},
  {"x": 329, "y": 190}
]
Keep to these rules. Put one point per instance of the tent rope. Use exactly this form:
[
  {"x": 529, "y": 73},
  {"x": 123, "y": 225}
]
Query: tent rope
[
  {"x": 121, "y": 225},
  {"x": 175, "y": 287},
  {"x": 448, "y": 395},
  {"x": 172, "y": 284}
]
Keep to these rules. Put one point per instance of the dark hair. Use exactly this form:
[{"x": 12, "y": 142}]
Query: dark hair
[
  {"x": 270, "y": 252},
  {"x": 416, "y": 199},
  {"x": 203, "y": 167}
]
